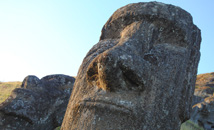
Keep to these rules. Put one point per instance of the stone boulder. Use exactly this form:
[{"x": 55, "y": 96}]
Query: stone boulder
[
  {"x": 38, "y": 104},
  {"x": 196, "y": 99},
  {"x": 140, "y": 75},
  {"x": 204, "y": 113}
]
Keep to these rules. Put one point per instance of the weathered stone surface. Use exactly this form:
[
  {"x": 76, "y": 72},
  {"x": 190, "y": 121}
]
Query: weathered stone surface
[
  {"x": 204, "y": 113},
  {"x": 38, "y": 104},
  {"x": 196, "y": 100},
  {"x": 140, "y": 75},
  {"x": 203, "y": 108}
]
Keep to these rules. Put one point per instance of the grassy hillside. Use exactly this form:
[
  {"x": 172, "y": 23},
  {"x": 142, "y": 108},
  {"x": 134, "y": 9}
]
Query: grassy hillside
[
  {"x": 205, "y": 81},
  {"x": 6, "y": 89}
]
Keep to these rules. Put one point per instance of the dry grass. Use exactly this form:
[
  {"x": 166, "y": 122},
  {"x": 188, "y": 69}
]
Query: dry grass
[
  {"x": 6, "y": 88},
  {"x": 205, "y": 82},
  {"x": 203, "y": 79}
]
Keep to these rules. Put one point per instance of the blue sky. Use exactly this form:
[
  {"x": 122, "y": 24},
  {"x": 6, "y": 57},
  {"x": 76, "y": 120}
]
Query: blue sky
[{"x": 42, "y": 37}]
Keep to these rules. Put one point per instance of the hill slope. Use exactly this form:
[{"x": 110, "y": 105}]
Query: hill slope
[
  {"x": 6, "y": 88},
  {"x": 204, "y": 86}
]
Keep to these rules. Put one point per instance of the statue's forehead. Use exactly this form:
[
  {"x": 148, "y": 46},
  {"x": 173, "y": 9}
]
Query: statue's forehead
[
  {"x": 152, "y": 10},
  {"x": 157, "y": 13}
]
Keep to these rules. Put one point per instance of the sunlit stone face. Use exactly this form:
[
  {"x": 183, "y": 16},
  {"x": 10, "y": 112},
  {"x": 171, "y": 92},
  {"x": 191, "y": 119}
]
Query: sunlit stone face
[{"x": 141, "y": 73}]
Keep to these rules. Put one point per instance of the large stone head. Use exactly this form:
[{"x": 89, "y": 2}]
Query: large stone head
[
  {"x": 39, "y": 104},
  {"x": 141, "y": 73}
]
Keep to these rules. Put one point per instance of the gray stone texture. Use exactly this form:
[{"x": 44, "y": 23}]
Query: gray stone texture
[
  {"x": 38, "y": 104},
  {"x": 140, "y": 75},
  {"x": 203, "y": 113}
]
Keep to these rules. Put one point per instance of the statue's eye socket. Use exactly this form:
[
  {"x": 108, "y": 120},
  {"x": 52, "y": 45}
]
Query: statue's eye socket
[{"x": 172, "y": 36}]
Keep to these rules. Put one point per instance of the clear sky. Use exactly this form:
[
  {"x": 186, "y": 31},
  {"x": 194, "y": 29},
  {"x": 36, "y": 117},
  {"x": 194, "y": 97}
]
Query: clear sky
[{"x": 42, "y": 37}]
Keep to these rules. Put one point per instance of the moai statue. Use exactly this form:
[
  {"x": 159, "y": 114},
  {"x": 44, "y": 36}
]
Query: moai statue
[{"x": 140, "y": 75}]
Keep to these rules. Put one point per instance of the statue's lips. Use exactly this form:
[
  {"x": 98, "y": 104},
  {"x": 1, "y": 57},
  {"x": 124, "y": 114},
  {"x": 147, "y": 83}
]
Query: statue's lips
[{"x": 122, "y": 106}]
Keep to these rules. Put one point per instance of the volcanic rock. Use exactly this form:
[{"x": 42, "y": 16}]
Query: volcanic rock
[
  {"x": 38, "y": 104},
  {"x": 204, "y": 113},
  {"x": 140, "y": 75}
]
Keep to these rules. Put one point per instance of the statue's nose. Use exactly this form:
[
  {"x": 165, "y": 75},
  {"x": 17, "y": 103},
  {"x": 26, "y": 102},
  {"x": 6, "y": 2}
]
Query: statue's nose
[
  {"x": 104, "y": 71},
  {"x": 116, "y": 70}
]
